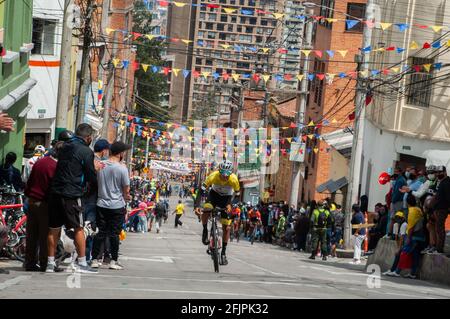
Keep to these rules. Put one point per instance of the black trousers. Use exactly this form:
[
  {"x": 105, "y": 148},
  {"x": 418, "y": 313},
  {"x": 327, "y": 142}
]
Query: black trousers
[
  {"x": 177, "y": 220},
  {"x": 301, "y": 240},
  {"x": 37, "y": 232},
  {"x": 109, "y": 223}
]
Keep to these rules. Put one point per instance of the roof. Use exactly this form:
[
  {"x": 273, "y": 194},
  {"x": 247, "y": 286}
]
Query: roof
[
  {"x": 341, "y": 140},
  {"x": 287, "y": 108},
  {"x": 332, "y": 186}
]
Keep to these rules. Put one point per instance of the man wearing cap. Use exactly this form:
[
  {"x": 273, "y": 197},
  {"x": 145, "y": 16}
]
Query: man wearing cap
[
  {"x": 113, "y": 193},
  {"x": 101, "y": 152}
]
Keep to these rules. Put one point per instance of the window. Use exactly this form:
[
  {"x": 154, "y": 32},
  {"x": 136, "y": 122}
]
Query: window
[
  {"x": 223, "y": 18},
  {"x": 420, "y": 84},
  {"x": 44, "y": 36},
  {"x": 356, "y": 10},
  {"x": 326, "y": 11},
  {"x": 209, "y": 26},
  {"x": 220, "y": 27},
  {"x": 319, "y": 67}
]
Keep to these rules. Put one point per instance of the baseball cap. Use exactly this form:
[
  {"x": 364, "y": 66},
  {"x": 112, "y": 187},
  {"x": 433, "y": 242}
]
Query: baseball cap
[
  {"x": 400, "y": 214},
  {"x": 101, "y": 145},
  {"x": 119, "y": 147}
]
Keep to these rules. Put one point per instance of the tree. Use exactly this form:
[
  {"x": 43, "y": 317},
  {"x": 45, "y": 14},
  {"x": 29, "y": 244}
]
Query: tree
[{"x": 151, "y": 86}]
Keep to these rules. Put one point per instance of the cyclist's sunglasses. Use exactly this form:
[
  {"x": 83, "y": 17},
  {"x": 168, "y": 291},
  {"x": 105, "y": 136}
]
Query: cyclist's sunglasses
[{"x": 225, "y": 172}]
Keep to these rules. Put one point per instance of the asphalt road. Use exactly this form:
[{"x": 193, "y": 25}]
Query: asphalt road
[{"x": 174, "y": 264}]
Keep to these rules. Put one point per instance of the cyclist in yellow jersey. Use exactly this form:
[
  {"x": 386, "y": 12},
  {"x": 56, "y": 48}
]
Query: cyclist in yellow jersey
[{"x": 224, "y": 185}]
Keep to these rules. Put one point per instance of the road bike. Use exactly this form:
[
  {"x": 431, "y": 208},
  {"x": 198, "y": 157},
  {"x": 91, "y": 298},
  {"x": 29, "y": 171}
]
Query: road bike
[
  {"x": 256, "y": 233},
  {"x": 235, "y": 233},
  {"x": 215, "y": 239}
]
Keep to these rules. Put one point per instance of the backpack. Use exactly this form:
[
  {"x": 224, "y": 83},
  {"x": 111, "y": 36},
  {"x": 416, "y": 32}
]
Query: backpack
[{"x": 322, "y": 219}]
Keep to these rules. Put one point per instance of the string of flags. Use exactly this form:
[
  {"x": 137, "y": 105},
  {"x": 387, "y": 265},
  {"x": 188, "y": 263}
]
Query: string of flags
[
  {"x": 350, "y": 23},
  {"x": 331, "y": 54}
]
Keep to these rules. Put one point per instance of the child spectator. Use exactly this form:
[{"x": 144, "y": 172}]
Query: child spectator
[{"x": 142, "y": 215}]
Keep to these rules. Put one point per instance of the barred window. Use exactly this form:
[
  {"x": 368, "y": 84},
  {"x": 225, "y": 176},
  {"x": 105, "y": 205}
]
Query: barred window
[
  {"x": 327, "y": 11},
  {"x": 419, "y": 87}
]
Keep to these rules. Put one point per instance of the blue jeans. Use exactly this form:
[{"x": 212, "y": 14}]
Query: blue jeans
[
  {"x": 90, "y": 213},
  {"x": 142, "y": 225}
]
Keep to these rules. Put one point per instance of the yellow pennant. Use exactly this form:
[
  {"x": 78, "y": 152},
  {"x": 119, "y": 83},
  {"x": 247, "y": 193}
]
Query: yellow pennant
[
  {"x": 236, "y": 131},
  {"x": 343, "y": 52},
  {"x": 190, "y": 128},
  {"x": 235, "y": 77},
  {"x": 115, "y": 62},
  {"x": 278, "y": 15},
  {"x": 448, "y": 43},
  {"x": 289, "y": 139},
  {"x": 169, "y": 125},
  {"x": 109, "y": 30},
  {"x": 331, "y": 20},
  {"x": 186, "y": 41},
  {"x": 150, "y": 36},
  {"x": 266, "y": 77},
  {"x": 427, "y": 67},
  {"x": 437, "y": 28},
  {"x": 206, "y": 74},
  {"x": 229, "y": 10},
  {"x": 364, "y": 73},
  {"x": 385, "y": 26},
  {"x": 413, "y": 45},
  {"x": 145, "y": 67},
  {"x": 311, "y": 123},
  {"x": 334, "y": 121},
  {"x": 146, "y": 121},
  {"x": 180, "y": 4},
  {"x": 310, "y": 136},
  {"x": 265, "y": 50},
  {"x": 331, "y": 76},
  {"x": 122, "y": 122},
  {"x": 395, "y": 70},
  {"x": 213, "y": 131},
  {"x": 316, "y": 150},
  {"x": 175, "y": 71},
  {"x": 225, "y": 46},
  {"x": 300, "y": 77},
  {"x": 248, "y": 142},
  {"x": 306, "y": 52},
  {"x": 379, "y": 50}
]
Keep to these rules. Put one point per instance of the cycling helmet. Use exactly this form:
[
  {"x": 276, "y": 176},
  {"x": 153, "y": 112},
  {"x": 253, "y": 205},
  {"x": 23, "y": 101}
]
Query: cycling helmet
[
  {"x": 208, "y": 207},
  {"x": 226, "y": 168},
  {"x": 65, "y": 135},
  {"x": 39, "y": 149}
]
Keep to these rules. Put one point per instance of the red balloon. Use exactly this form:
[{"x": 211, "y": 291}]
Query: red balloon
[{"x": 384, "y": 178}]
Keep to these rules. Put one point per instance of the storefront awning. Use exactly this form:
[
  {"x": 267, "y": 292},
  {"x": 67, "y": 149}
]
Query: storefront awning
[
  {"x": 341, "y": 140},
  {"x": 332, "y": 186},
  {"x": 437, "y": 158}
]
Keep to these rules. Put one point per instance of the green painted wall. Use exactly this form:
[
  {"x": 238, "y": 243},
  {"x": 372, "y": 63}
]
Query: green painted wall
[{"x": 16, "y": 18}]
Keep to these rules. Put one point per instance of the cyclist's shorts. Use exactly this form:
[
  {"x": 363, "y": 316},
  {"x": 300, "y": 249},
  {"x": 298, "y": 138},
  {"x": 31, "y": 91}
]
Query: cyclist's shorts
[{"x": 218, "y": 200}]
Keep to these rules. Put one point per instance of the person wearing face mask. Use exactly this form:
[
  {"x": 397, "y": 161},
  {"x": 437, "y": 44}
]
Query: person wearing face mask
[
  {"x": 441, "y": 206},
  {"x": 398, "y": 181},
  {"x": 75, "y": 171},
  {"x": 413, "y": 184}
]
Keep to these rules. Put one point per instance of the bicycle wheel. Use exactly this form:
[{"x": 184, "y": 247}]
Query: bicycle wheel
[{"x": 215, "y": 248}]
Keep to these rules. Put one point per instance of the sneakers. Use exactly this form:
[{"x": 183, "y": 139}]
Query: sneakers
[
  {"x": 324, "y": 258},
  {"x": 115, "y": 265},
  {"x": 312, "y": 257},
  {"x": 85, "y": 270},
  {"x": 355, "y": 262},
  {"x": 51, "y": 268},
  {"x": 387, "y": 273},
  {"x": 410, "y": 276},
  {"x": 95, "y": 263},
  {"x": 392, "y": 274},
  {"x": 223, "y": 259}
]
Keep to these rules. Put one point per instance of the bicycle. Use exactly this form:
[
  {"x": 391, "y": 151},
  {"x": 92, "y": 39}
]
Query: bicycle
[
  {"x": 256, "y": 232},
  {"x": 13, "y": 217},
  {"x": 215, "y": 241},
  {"x": 236, "y": 229}
]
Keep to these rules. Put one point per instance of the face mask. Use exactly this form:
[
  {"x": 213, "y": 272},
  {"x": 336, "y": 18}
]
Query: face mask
[
  {"x": 431, "y": 177},
  {"x": 407, "y": 174}
]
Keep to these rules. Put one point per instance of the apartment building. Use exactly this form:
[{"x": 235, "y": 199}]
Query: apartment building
[
  {"x": 412, "y": 115},
  {"x": 326, "y": 171}
]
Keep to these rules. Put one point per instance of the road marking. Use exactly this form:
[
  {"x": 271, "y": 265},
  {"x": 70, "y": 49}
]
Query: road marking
[
  {"x": 13, "y": 281},
  {"x": 334, "y": 272},
  {"x": 161, "y": 259},
  {"x": 258, "y": 267}
]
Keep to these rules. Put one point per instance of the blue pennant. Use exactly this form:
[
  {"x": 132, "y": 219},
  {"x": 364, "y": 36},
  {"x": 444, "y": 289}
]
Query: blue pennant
[
  {"x": 246, "y": 75},
  {"x": 375, "y": 72},
  {"x": 127, "y": 124},
  {"x": 137, "y": 119},
  {"x": 115, "y": 124},
  {"x": 155, "y": 69},
  {"x": 237, "y": 48},
  {"x": 279, "y": 78},
  {"x": 351, "y": 23},
  {"x": 186, "y": 73},
  {"x": 253, "y": 49},
  {"x": 437, "y": 45},
  {"x": 325, "y": 122},
  {"x": 247, "y": 12},
  {"x": 330, "y": 53},
  {"x": 438, "y": 66},
  {"x": 200, "y": 43},
  {"x": 402, "y": 26},
  {"x": 400, "y": 50},
  {"x": 308, "y": 150},
  {"x": 310, "y": 77},
  {"x": 125, "y": 63},
  {"x": 216, "y": 75},
  {"x": 342, "y": 75},
  {"x": 367, "y": 49}
]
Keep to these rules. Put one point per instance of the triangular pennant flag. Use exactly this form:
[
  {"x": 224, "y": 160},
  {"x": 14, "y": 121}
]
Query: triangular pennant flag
[
  {"x": 225, "y": 46},
  {"x": 427, "y": 67},
  {"x": 402, "y": 26},
  {"x": 109, "y": 30},
  {"x": 438, "y": 66},
  {"x": 115, "y": 62},
  {"x": 206, "y": 74},
  {"x": 320, "y": 76},
  {"x": 400, "y": 50},
  {"x": 343, "y": 52},
  {"x": 310, "y": 77},
  {"x": 145, "y": 67},
  {"x": 330, "y": 53},
  {"x": 278, "y": 15},
  {"x": 266, "y": 77},
  {"x": 229, "y": 10},
  {"x": 311, "y": 123},
  {"x": 436, "y": 28},
  {"x": 310, "y": 136},
  {"x": 300, "y": 77},
  {"x": 385, "y": 26},
  {"x": 395, "y": 70},
  {"x": 235, "y": 76},
  {"x": 265, "y": 50},
  {"x": 150, "y": 36},
  {"x": 437, "y": 45},
  {"x": 331, "y": 20},
  {"x": 225, "y": 76},
  {"x": 306, "y": 52},
  {"x": 364, "y": 73},
  {"x": 186, "y": 73},
  {"x": 370, "y": 23},
  {"x": 175, "y": 71},
  {"x": 426, "y": 45},
  {"x": 318, "y": 53},
  {"x": 316, "y": 150},
  {"x": 413, "y": 45},
  {"x": 351, "y": 23},
  {"x": 180, "y": 4},
  {"x": 187, "y": 42}
]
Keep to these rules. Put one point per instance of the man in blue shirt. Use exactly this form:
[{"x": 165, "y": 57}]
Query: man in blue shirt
[{"x": 399, "y": 182}]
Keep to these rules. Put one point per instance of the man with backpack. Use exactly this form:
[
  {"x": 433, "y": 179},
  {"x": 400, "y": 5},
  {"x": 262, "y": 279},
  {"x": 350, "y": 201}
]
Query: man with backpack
[
  {"x": 319, "y": 219},
  {"x": 160, "y": 212}
]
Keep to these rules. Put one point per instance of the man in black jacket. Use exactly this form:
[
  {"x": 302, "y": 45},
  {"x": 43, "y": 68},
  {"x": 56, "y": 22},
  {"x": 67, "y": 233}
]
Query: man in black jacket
[{"x": 74, "y": 172}]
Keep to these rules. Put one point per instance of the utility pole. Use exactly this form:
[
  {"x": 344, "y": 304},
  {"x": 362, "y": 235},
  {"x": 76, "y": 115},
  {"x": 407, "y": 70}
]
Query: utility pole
[
  {"x": 85, "y": 76},
  {"x": 146, "y": 151},
  {"x": 355, "y": 164},
  {"x": 109, "y": 89},
  {"x": 262, "y": 177},
  {"x": 301, "y": 109},
  {"x": 62, "y": 103}
]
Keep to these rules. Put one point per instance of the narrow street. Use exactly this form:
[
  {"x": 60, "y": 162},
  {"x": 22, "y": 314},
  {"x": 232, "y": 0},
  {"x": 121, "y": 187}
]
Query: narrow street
[{"x": 174, "y": 264}]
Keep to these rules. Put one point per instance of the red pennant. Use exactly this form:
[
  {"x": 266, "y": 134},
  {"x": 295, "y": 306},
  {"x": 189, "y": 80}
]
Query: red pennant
[
  {"x": 304, "y": 138},
  {"x": 370, "y": 23},
  {"x": 421, "y": 26},
  {"x": 288, "y": 77},
  {"x": 256, "y": 78},
  {"x": 353, "y": 74},
  {"x": 214, "y": 6},
  {"x": 386, "y": 72},
  {"x": 136, "y": 35},
  {"x": 292, "y": 125},
  {"x": 390, "y": 49},
  {"x": 225, "y": 76},
  {"x": 352, "y": 116},
  {"x": 136, "y": 66},
  {"x": 318, "y": 18},
  {"x": 175, "y": 40},
  {"x": 318, "y": 126},
  {"x": 426, "y": 45},
  {"x": 321, "y": 76},
  {"x": 282, "y": 51},
  {"x": 318, "y": 53},
  {"x": 196, "y": 73},
  {"x": 130, "y": 118},
  {"x": 261, "y": 11},
  {"x": 283, "y": 141},
  {"x": 166, "y": 70},
  {"x": 416, "y": 68},
  {"x": 163, "y": 3}
]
